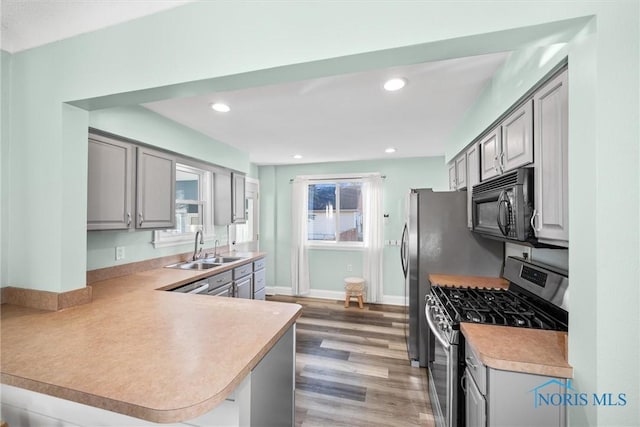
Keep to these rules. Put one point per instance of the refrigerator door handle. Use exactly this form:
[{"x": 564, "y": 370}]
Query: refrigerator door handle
[{"x": 404, "y": 250}]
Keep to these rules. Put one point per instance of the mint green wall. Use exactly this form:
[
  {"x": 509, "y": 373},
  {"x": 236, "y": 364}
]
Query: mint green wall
[
  {"x": 329, "y": 267},
  {"x": 148, "y": 127},
  {"x": 143, "y": 125},
  {"x": 521, "y": 71},
  {"x": 5, "y": 96},
  {"x": 122, "y": 64}
]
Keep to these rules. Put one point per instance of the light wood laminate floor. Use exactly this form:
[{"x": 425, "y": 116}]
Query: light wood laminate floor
[{"x": 352, "y": 367}]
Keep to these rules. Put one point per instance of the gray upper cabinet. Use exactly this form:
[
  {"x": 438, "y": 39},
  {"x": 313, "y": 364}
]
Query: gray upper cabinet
[
  {"x": 489, "y": 152},
  {"x": 222, "y": 197},
  {"x": 509, "y": 145},
  {"x": 229, "y": 198},
  {"x": 452, "y": 176},
  {"x": 517, "y": 138},
  {"x": 156, "y": 189},
  {"x": 473, "y": 178},
  {"x": 239, "y": 214},
  {"x": 458, "y": 173},
  {"x": 110, "y": 184},
  {"x": 551, "y": 218}
]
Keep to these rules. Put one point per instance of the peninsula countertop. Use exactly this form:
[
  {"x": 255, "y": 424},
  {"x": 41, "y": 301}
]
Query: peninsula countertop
[
  {"x": 139, "y": 351},
  {"x": 525, "y": 350}
]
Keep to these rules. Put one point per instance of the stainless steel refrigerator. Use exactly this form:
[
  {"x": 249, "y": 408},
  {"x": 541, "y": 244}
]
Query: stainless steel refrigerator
[{"x": 436, "y": 240}]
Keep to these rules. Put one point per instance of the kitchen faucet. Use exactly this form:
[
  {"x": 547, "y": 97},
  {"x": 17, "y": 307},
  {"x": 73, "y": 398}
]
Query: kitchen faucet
[
  {"x": 196, "y": 254},
  {"x": 215, "y": 248}
]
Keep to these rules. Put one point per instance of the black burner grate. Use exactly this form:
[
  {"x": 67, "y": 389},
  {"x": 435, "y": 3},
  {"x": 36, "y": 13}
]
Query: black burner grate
[{"x": 495, "y": 307}]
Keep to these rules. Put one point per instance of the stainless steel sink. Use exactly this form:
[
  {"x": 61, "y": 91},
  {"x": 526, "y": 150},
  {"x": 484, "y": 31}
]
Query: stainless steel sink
[
  {"x": 195, "y": 265},
  {"x": 222, "y": 259}
]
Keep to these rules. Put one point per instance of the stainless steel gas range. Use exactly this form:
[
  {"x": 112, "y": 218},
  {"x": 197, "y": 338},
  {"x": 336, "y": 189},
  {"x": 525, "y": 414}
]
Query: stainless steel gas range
[{"x": 536, "y": 298}]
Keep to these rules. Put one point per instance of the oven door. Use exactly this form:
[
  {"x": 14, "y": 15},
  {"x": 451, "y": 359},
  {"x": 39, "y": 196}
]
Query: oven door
[{"x": 443, "y": 374}]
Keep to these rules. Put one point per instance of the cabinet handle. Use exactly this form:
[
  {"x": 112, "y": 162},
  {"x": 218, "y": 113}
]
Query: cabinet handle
[
  {"x": 463, "y": 382},
  {"x": 141, "y": 219},
  {"x": 501, "y": 162},
  {"x": 470, "y": 363},
  {"x": 533, "y": 221},
  {"x": 128, "y": 219},
  {"x": 495, "y": 164}
]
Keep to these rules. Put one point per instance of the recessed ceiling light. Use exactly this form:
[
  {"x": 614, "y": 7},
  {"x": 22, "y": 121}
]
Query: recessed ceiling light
[
  {"x": 390, "y": 150},
  {"x": 395, "y": 84},
  {"x": 220, "y": 107},
  {"x": 297, "y": 156}
]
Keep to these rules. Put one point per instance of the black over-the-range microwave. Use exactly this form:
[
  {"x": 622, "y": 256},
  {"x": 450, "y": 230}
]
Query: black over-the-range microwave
[{"x": 502, "y": 207}]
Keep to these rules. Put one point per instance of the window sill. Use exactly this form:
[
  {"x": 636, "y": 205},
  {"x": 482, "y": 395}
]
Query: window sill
[
  {"x": 178, "y": 240},
  {"x": 336, "y": 246}
]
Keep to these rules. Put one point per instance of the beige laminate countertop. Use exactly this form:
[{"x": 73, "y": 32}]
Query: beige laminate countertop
[
  {"x": 159, "y": 356},
  {"x": 520, "y": 349},
  {"x": 468, "y": 281}
]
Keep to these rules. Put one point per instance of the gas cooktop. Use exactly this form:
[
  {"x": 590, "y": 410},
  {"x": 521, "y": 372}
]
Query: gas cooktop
[{"x": 498, "y": 307}]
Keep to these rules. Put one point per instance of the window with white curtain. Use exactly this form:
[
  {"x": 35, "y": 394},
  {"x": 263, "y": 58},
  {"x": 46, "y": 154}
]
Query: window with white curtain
[{"x": 335, "y": 212}]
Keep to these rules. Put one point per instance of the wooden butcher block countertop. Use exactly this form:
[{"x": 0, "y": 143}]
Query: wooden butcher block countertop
[
  {"x": 155, "y": 355},
  {"x": 525, "y": 350}
]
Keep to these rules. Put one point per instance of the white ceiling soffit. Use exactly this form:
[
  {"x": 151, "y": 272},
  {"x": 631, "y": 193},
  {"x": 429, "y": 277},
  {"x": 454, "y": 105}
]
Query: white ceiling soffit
[
  {"x": 31, "y": 23},
  {"x": 344, "y": 117}
]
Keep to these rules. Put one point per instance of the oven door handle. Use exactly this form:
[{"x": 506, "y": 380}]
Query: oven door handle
[{"x": 434, "y": 330}]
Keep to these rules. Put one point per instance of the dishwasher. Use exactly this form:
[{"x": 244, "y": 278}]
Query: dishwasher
[{"x": 199, "y": 287}]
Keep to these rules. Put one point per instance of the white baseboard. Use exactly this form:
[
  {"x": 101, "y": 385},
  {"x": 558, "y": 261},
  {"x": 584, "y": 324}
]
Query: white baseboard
[{"x": 333, "y": 295}]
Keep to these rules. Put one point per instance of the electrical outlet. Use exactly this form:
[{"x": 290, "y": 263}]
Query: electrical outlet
[
  {"x": 349, "y": 267},
  {"x": 119, "y": 253}
]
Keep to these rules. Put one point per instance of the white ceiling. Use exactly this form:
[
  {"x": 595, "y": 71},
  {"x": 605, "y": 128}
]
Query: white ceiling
[
  {"x": 338, "y": 118},
  {"x": 341, "y": 118}
]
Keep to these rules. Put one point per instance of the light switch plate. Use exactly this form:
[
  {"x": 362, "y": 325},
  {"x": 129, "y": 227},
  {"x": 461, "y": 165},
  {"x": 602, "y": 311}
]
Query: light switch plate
[{"x": 119, "y": 253}]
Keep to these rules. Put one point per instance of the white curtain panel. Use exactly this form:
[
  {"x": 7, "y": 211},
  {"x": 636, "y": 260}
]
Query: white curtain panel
[
  {"x": 373, "y": 236},
  {"x": 299, "y": 252}
]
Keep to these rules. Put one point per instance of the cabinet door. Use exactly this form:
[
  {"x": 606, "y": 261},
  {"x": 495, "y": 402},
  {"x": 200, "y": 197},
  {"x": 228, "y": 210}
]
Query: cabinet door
[
  {"x": 452, "y": 176},
  {"x": 473, "y": 177},
  {"x": 239, "y": 214},
  {"x": 110, "y": 184},
  {"x": 222, "y": 209},
  {"x": 476, "y": 408},
  {"x": 156, "y": 189},
  {"x": 461, "y": 171},
  {"x": 489, "y": 150},
  {"x": 551, "y": 218},
  {"x": 243, "y": 288},
  {"x": 517, "y": 138}
]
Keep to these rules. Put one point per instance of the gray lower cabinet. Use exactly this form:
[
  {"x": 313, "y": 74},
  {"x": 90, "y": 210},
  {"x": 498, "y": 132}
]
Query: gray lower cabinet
[
  {"x": 495, "y": 397},
  {"x": 243, "y": 279},
  {"x": 110, "y": 184},
  {"x": 475, "y": 405},
  {"x": 155, "y": 189},
  {"x": 259, "y": 279},
  {"x": 221, "y": 284},
  {"x": 551, "y": 217}
]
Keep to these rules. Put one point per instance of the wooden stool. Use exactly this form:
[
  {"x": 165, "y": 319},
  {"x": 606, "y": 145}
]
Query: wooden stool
[{"x": 353, "y": 287}]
